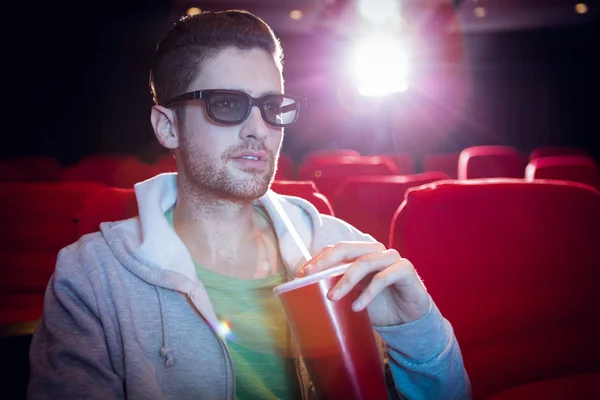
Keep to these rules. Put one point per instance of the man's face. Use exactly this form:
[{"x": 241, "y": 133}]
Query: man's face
[{"x": 221, "y": 158}]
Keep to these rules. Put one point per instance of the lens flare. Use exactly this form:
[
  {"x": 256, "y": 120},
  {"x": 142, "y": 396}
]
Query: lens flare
[
  {"x": 378, "y": 11},
  {"x": 380, "y": 65},
  {"x": 581, "y": 8},
  {"x": 223, "y": 329}
]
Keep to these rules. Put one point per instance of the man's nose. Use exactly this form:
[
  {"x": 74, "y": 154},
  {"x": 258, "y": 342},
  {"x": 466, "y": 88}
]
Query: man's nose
[{"x": 254, "y": 126}]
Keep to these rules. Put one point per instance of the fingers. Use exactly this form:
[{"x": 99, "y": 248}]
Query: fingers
[
  {"x": 372, "y": 264},
  {"x": 401, "y": 273},
  {"x": 342, "y": 252},
  {"x": 305, "y": 269}
]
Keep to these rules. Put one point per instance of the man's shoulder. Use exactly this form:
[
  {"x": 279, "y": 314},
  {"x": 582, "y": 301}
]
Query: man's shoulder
[{"x": 84, "y": 255}]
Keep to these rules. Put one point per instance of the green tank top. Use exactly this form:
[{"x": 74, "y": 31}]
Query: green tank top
[{"x": 255, "y": 330}]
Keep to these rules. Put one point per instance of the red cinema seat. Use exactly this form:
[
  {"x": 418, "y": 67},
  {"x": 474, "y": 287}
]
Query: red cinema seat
[
  {"x": 285, "y": 168},
  {"x": 491, "y": 162},
  {"x": 442, "y": 162},
  {"x": 582, "y": 169},
  {"x": 10, "y": 173},
  {"x": 306, "y": 190},
  {"x": 328, "y": 154},
  {"x": 550, "y": 151},
  {"x": 36, "y": 224},
  {"x": 101, "y": 168},
  {"x": 130, "y": 171},
  {"x": 37, "y": 168},
  {"x": 109, "y": 204},
  {"x": 515, "y": 267},
  {"x": 580, "y": 387},
  {"x": 21, "y": 310},
  {"x": 328, "y": 174},
  {"x": 405, "y": 163},
  {"x": 166, "y": 163},
  {"x": 369, "y": 202}
]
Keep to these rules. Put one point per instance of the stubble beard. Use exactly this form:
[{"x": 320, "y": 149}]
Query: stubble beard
[{"x": 209, "y": 175}]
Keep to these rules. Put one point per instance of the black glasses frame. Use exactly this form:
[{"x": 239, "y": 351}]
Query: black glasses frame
[{"x": 206, "y": 94}]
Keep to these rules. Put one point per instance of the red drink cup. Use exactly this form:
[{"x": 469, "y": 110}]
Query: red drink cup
[{"x": 338, "y": 344}]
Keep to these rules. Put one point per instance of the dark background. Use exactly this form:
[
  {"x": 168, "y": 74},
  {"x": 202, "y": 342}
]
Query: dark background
[{"x": 77, "y": 84}]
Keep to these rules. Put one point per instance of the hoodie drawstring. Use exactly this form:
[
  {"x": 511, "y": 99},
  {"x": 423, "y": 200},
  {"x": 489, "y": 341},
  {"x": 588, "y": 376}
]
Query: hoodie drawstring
[{"x": 165, "y": 351}]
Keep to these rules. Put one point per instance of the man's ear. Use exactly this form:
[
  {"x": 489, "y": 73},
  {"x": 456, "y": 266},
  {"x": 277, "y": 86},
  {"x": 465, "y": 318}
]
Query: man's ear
[{"x": 164, "y": 125}]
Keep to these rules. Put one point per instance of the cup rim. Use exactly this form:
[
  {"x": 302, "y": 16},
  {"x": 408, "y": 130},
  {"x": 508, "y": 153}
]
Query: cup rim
[{"x": 310, "y": 279}]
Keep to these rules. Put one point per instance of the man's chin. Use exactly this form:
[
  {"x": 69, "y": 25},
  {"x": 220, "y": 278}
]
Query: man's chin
[
  {"x": 255, "y": 175},
  {"x": 254, "y": 188}
]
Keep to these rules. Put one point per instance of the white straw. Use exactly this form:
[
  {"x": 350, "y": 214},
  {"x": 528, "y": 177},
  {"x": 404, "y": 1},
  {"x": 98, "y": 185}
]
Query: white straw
[{"x": 288, "y": 225}]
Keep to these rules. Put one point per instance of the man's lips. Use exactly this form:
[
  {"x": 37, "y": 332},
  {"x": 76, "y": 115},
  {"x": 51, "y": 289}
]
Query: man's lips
[
  {"x": 251, "y": 156},
  {"x": 250, "y": 159}
]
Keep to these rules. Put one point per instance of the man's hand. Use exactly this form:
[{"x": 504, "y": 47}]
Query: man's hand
[{"x": 394, "y": 293}]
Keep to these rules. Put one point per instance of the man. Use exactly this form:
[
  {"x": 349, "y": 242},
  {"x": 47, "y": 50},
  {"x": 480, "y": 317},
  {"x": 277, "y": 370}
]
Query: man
[{"x": 177, "y": 303}]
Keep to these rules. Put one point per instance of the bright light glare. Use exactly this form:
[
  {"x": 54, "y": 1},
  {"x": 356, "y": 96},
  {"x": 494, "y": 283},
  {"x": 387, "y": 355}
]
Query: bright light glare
[
  {"x": 193, "y": 11},
  {"x": 581, "y": 8},
  {"x": 377, "y": 11},
  {"x": 380, "y": 65},
  {"x": 223, "y": 329},
  {"x": 296, "y": 14}
]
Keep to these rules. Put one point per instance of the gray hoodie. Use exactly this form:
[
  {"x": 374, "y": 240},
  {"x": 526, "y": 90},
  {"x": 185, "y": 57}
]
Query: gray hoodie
[{"x": 125, "y": 315}]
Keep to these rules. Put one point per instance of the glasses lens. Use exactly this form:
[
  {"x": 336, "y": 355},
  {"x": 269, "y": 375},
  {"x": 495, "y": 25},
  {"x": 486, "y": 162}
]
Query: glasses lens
[
  {"x": 228, "y": 107},
  {"x": 280, "y": 110}
]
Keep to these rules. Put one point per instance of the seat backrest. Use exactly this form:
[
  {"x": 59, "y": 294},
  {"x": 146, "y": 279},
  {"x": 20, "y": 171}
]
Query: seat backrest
[
  {"x": 37, "y": 168},
  {"x": 575, "y": 168},
  {"x": 442, "y": 162},
  {"x": 29, "y": 201},
  {"x": 549, "y": 151},
  {"x": 306, "y": 190},
  {"x": 491, "y": 162},
  {"x": 10, "y": 173},
  {"x": 166, "y": 163},
  {"x": 36, "y": 223},
  {"x": 515, "y": 267},
  {"x": 405, "y": 163},
  {"x": 369, "y": 202},
  {"x": 131, "y": 171},
  {"x": 327, "y": 154},
  {"x": 108, "y": 204},
  {"x": 328, "y": 174},
  {"x": 285, "y": 168},
  {"x": 102, "y": 168}
]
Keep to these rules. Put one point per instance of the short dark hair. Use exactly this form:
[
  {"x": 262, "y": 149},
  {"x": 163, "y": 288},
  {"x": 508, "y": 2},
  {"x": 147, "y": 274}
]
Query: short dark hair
[{"x": 195, "y": 39}]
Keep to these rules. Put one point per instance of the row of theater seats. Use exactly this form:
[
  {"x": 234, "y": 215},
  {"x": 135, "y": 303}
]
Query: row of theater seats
[
  {"x": 514, "y": 265},
  {"x": 124, "y": 170},
  {"x": 448, "y": 163},
  {"x": 45, "y": 217},
  {"x": 330, "y": 170},
  {"x": 118, "y": 170}
]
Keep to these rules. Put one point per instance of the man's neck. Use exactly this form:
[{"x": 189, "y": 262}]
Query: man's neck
[
  {"x": 209, "y": 219},
  {"x": 226, "y": 235}
]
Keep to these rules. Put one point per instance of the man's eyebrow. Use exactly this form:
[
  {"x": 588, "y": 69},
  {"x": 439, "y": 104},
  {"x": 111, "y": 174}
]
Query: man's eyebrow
[{"x": 239, "y": 89}]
